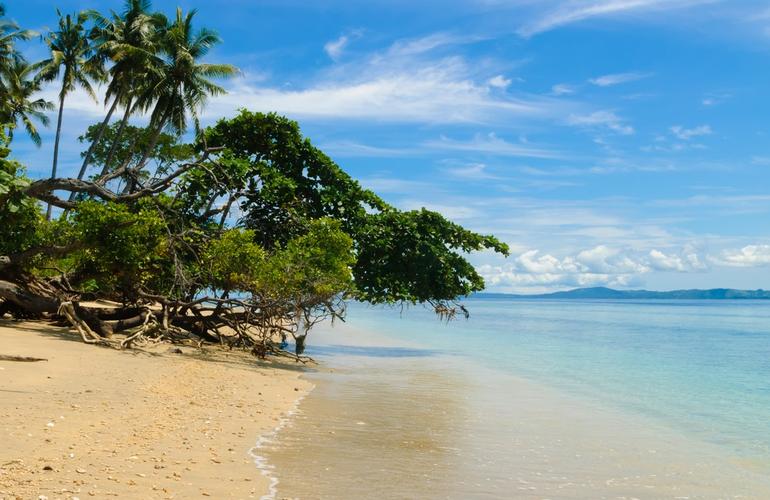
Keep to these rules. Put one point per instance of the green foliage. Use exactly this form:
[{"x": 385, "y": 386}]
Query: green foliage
[
  {"x": 20, "y": 217},
  {"x": 123, "y": 247},
  {"x": 405, "y": 256},
  {"x": 18, "y": 104},
  {"x": 128, "y": 146},
  {"x": 311, "y": 268},
  {"x": 72, "y": 58},
  {"x": 232, "y": 261},
  {"x": 288, "y": 183}
]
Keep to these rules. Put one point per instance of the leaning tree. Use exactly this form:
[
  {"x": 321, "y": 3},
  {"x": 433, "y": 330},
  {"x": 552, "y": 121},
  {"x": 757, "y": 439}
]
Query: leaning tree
[{"x": 250, "y": 235}]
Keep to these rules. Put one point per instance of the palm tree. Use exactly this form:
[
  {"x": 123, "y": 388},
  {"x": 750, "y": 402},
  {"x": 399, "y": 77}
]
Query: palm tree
[
  {"x": 9, "y": 56},
  {"x": 72, "y": 57},
  {"x": 20, "y": 86},
  {"x": 129, "y": 41},
  {"x": 180, "y": 84}
]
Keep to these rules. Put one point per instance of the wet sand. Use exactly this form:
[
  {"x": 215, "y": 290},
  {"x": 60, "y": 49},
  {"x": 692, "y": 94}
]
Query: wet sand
[{"x": 94, "y": 422}]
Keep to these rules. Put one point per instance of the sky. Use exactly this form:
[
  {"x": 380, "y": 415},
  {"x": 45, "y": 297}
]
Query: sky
[{"x": 621, "y": 143}]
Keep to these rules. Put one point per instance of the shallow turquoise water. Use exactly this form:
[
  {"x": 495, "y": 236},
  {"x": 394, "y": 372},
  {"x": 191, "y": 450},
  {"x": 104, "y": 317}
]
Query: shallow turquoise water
[
  {"x": 699, "y": 367},
  {"x": 536, "y": 399}
]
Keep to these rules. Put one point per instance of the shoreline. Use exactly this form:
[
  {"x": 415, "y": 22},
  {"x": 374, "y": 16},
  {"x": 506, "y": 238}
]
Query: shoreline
[
  {"x": 145, "y": 423},
  {"x": 447, "y": 426}
]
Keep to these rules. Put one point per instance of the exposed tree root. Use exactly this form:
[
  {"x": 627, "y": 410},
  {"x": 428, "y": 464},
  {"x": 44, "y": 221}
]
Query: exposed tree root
[{"x": 26, "y": 359}]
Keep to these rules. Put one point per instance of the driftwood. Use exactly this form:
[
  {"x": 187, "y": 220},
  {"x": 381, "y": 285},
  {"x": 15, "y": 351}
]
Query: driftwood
[{"x": 5, "y": 357}]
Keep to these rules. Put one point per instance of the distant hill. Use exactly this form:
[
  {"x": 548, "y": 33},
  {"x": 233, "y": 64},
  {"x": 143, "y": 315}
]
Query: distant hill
[{"x": 608, "y": 293}]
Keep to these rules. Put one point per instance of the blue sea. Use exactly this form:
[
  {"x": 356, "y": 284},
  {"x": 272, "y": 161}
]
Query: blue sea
[{"x": 536, "y": 399}]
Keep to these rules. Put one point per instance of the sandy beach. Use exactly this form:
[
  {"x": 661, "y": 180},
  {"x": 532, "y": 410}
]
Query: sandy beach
[{"x": 94, "y": 422}]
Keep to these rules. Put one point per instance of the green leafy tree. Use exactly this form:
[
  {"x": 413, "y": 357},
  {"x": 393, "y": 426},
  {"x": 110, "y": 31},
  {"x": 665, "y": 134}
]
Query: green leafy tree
[
  {"x": 122, "y": 246},
  {"x": 125, "y": 144},
  {"x": 20, "y": 217},
  {"x": 414, "y": 256}
]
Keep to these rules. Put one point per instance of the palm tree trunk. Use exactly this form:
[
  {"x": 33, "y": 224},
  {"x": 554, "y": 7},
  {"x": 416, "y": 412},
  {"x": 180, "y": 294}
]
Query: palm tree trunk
[
  {"x": 119, "y": 133},
  {"x": 96, "y": 141},
  {"x": 130, "y": 185},
  {"x": 56, "y": 149}
]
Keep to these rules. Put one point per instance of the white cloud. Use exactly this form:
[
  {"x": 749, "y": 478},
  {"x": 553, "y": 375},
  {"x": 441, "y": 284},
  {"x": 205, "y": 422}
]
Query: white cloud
[
  {"x": 404, "y": 83},
  {"x": 491, "y": 144},
  {"x": 748, "y": 256},
  {"x": 335, "y": 48},
  {"x": 417, "y": 46},
  {"x": 351, "y": 149},
  {"x": 499, "y": 82},
  {"x": 471, "y": 171},
  {"x": 686, "y": 134},
  {"x": 617, "y": 79},
  {"x": 604, "y": 118},
  {"x": 566, "y": 12},
  {"x": 598, "y": 266},
  {"x": 688, "y": 261},
  {"x": 562, "y": 89}
]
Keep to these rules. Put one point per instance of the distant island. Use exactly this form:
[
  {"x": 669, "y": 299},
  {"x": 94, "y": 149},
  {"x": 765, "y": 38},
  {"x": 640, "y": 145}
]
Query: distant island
[{"x": 608, "y": 293}]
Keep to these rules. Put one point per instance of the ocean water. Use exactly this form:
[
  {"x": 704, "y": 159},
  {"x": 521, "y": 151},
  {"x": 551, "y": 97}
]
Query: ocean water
[{"x": 536, "y": 399}]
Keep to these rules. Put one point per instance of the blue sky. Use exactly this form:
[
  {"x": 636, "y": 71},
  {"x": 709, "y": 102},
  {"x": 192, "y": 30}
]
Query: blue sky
[{"x": 610, "y": 142}]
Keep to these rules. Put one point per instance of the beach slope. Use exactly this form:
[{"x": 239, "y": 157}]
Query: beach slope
[{"x": 94, "y": 422}]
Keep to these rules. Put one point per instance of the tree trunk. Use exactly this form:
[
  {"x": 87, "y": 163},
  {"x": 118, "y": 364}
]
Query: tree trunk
[
  {"x": 153, "y": 143},
  {"x": 28, "y": 300},
  {"x": 130, "y": 184},
  {"x": 113, "y": 147},
  {"x": 56, "y": 148},
  {"x": 96, "y": 141}
]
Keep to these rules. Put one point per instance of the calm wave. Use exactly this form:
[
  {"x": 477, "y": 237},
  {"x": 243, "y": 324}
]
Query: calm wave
[{"x": 533, "y": 398}]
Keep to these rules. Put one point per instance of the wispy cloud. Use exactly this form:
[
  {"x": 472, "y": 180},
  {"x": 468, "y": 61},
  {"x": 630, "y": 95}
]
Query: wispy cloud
[
  {"x": 618, "y": 78},
  {"x": 354, "y": 149},
  {"x": 475, "y": 171},
  {"x": 335, "y": 48},
  {"x": 406, "y": 82},
  {"x": 562, "y": 89},
  {"x": 686, "y": 134},
  {"x": 566, "y": 12},
  {"x": 601, "y": 119},
  {"x": 491, "y": 144}
]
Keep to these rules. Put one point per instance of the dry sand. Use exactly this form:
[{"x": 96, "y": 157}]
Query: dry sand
[{"x": 94, "y": 422}]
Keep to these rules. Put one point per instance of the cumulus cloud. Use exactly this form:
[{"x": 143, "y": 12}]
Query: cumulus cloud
[
  {"x": 748, "y": 256},
  {"x": 533, "y": 269},
  {"x": 599, "y": 119},
  {"x": 598, "y": 266},
  {"x": 688, "y": 261},
  {"x": 686, "y": 134}
]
